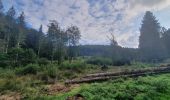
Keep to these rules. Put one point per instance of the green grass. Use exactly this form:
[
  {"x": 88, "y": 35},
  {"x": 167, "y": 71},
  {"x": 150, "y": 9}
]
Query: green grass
[
  {"x": 143, "y": 88},
  {"x": 31, "y": 82}
]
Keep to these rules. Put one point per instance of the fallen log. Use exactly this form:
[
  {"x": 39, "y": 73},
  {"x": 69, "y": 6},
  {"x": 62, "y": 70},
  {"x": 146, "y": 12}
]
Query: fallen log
[
  {"x": 126, "y": 72},
  {"x": 112, "y": 76}
]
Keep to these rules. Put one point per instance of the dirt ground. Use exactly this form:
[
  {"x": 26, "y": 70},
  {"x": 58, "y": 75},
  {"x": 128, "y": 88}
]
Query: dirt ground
[
  {"x": 60, "y": 88},
  {"x": 10, "y": 96}
]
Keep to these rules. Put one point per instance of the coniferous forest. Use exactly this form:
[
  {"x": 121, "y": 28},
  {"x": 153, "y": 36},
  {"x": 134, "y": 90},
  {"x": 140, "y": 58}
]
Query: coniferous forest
[{"x": 53, "y": 65}]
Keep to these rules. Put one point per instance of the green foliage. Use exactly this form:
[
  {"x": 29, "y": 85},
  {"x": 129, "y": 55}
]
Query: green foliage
[
  {"x": 28, "y": 57},
  {"x": 142, "y": 65},
  {"x": 49, "y": 74},
  {"x": 51, "y": 71},
  {"x": 121, "y": 62},
  {"x": 99, "y": 61},
  {"x": 7, "y": 73},
  {"x": 4, "y": 60},
  {"x": 43, "y": 61},
  {"x": 29, "y": 69},
  {"x": 150, "y": 44},
  {"x": 19, "y": 56},
  {"x": 75, "y": 66},
  {"x": 143, "y": 88},
  {"x": 11, "y": 84},
  {"x": 161, "y": 86}
]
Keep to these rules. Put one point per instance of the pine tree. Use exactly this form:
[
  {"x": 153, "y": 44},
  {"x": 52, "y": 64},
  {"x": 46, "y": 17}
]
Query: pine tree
[
  {"x": 39, "y": 39},
  {"x": 149, "y": 40}
]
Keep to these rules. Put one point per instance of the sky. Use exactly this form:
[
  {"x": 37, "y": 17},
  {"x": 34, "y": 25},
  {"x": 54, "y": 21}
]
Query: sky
[{"x": 96, "y": 19}]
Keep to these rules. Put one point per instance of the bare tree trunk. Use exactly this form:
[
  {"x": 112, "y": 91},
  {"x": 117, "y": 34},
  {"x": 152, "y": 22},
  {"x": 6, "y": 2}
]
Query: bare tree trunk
[
  {"x": 38, "y": 51},
  {"x": 17, "y": 55},
  {"x": 7, "y": 45}
]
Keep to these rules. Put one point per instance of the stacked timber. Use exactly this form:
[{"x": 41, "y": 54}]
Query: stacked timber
[{"x": 107, "y": 76}]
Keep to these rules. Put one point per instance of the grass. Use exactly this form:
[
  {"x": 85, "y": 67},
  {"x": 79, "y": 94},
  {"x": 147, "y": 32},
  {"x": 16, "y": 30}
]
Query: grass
[
  {"x": 31, "y": 81},
  {"x": 143, "y": 88}
]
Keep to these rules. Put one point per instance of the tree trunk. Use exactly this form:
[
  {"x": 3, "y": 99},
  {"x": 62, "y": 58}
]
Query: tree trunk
[{"x": 38, "y": 53}]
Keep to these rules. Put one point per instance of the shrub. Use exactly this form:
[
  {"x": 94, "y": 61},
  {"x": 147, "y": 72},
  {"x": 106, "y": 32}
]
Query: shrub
[
  {"x": 49, "y": 75},
  {"x": 19, "y": 56},
  {"x": 142, "y": 65},
  {"x": 51, "y": 71},
  {"x": 4, "y": 60},
  {"x": 124, "y": 96},
  {"x": 7, "y": 73},
  {"x": 28, "y": 56},
  {"x": 43, "y": 61},
  {"x": 7, "y": 84},
  {"x": 121, "y": 62},
  {"x": 77, "y": 66},
  {"x": 99, "y": 61},
  {"x": 161, "y": 86},
  {"x": 29, "y": 69}
]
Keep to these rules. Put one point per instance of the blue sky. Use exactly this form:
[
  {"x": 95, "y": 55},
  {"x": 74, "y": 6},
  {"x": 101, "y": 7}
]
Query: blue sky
[{"x": 97, "y": 19}]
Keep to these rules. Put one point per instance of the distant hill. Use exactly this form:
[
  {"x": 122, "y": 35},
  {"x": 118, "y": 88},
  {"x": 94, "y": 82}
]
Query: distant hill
[{"x": 107, "y": 51}]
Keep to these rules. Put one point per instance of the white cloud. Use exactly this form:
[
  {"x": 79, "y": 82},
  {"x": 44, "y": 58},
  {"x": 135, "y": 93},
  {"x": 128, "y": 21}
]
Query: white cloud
[{"x": 95, "y": 18}]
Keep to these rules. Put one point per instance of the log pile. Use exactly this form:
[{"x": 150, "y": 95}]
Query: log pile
[{"x": 107, "y": 76}]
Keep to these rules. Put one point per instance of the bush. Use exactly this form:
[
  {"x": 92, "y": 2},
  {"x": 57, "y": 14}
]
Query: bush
[
  {"x": 43, "y": 61},
  {"x": 11, "y": 84},
  {"x": 19, "y": 56},
  {"x": 29, "y": 69},
  {"x": 99, "y": 61},
  {"x": 4, "y": 60},
  {"x": 121, "y": 62},
  {"x": 77, "y": 66},
  {"x": 49, "y": 75},
  {"x": 124, "y": 96},
  {"x": 142, "y": 65},
  {"x": 161, "y": 86},
  {"x": 7, "y": 73},
  {"x": 51, "y": 72},
  {"x": 28, "y": 56}
]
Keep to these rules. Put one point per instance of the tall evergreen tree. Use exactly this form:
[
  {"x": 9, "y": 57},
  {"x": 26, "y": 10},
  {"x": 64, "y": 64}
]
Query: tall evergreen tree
[
  {"x": 166, "y": 41},
  {"x": 40, "y": 37},
  {"x": 149, "y": 40}
]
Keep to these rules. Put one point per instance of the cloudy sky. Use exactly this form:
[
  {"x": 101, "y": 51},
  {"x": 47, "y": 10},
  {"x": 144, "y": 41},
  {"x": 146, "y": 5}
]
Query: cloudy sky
[{"x": 97, "y": 19}]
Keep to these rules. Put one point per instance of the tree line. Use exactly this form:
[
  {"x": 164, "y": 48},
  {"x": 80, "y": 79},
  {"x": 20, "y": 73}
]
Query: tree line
[
  {"x": 154, "y": 44},
  {"x": 20, "y": 43}
]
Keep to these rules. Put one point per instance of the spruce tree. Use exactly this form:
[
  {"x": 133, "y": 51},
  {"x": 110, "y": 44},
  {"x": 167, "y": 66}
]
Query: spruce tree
[
  {"x": 149, "y": 40},
  {"x": 40, "y": 37}
]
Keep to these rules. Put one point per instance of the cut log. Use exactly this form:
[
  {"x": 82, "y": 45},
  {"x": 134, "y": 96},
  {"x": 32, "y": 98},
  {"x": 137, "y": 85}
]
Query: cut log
[{"x": 107, "y": 76}]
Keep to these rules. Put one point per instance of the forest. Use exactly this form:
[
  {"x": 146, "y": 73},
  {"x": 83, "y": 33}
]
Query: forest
[{"x": 53, "y": 65}]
